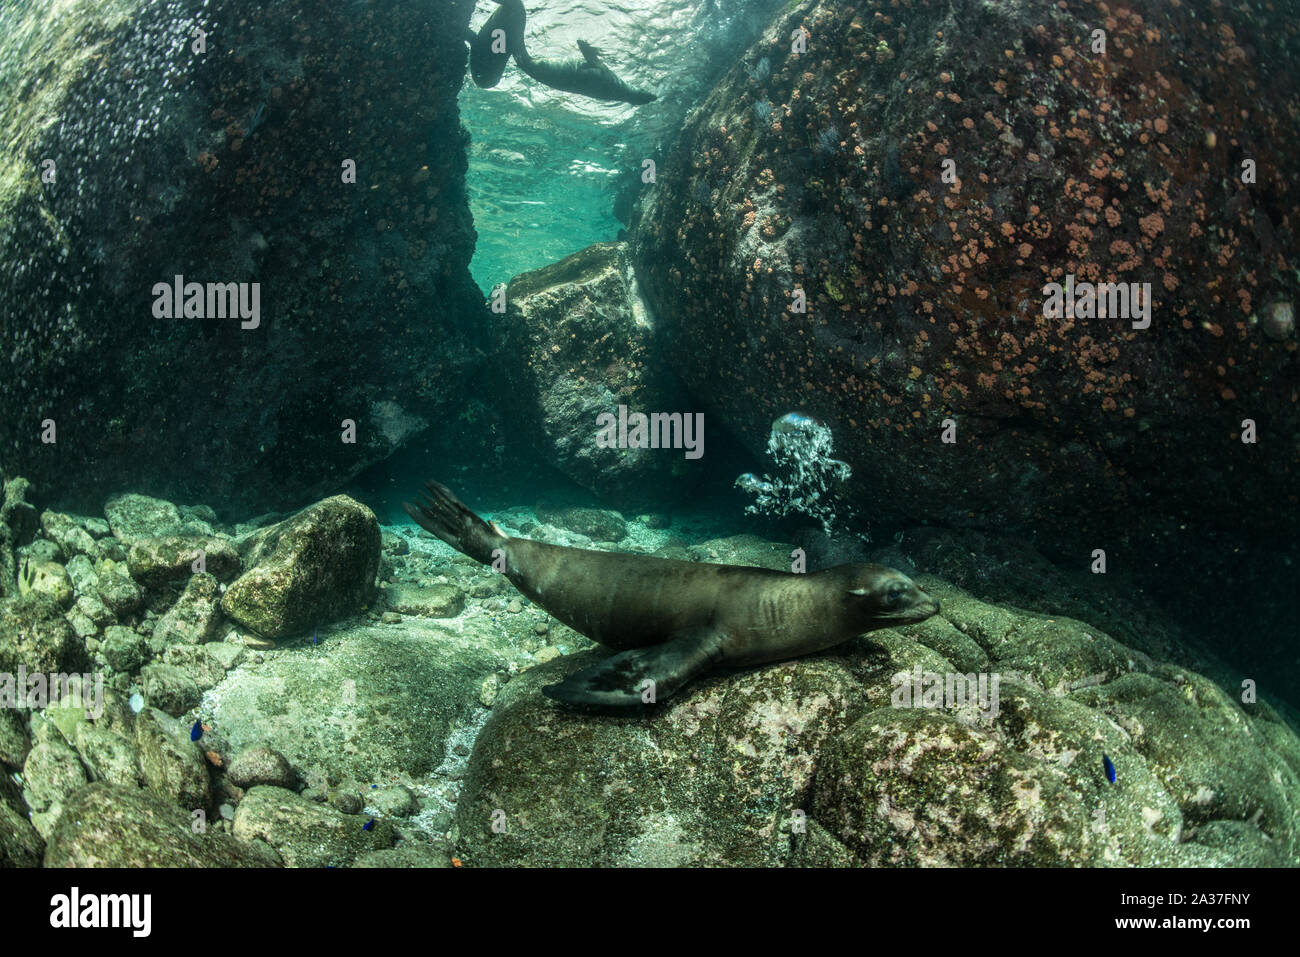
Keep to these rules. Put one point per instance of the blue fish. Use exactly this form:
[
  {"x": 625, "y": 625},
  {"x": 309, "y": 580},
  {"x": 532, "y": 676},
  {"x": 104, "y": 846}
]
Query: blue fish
[
  {"x": 314, "y": 639},
  {"x": 196, "y": 732},
  {"x": 1109, "y": 768},
  {"x": 368, "y": 825}
]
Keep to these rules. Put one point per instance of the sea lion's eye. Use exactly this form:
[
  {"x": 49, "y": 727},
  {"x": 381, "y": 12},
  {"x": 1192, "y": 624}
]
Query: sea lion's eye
[{"x": 895, "y": 594}]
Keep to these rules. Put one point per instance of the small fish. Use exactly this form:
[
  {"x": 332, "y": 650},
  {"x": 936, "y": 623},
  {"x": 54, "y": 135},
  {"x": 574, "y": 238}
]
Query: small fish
[
  {"x": 368, "y": 825},
  {"x": 1109, "y": 768},
  {"x": 196, "y": 732},
  {"x": 314, "y": 639}
]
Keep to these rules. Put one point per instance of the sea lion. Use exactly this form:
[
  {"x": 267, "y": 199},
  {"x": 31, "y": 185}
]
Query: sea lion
[
  {"x": 587, "y": 77},
  {"x": 673, "y": 620}
]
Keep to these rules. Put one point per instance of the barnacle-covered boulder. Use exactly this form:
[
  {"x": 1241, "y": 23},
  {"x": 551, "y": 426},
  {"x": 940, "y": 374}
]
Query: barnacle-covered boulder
[{"x": 916, "y": 175}]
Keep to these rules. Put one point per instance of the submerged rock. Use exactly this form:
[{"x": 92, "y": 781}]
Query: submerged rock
[
  {"x": 924, "y": 293},
  {"x": 260, "y": 765},
  {"x": 110, "y": 826},
  {"x": 155, "y": 561},
  {"x": 69, "y": 535},
  {"x": 194, "y": 619},
  {"x": 14, "y": 740},
  {"x": 577, "y": 343},
  {"x": 108, "y": 755},
  {"x": 304, "y": 833},
  {"x": 374, "y": 702},
  {"x": 407, "y": 856},
  {"x": 430, "y": 601},
  {"x": 51, "y": 773},
  {"x": 170, "y": 689},
  {"x": 598, "y": 524},
  {"x": 315, "y": 567},
  {"x": 715, "y": 778},
  {"x": 258, "y": 143},
  {"x": 35, "y": 635},
  {"x": 125, "y": 649},
  {"x": 134, "y": 518},
  {"x": 824, "y": 761},
  {"x": 116, "y": 588},
  {"x": 170, "y": 763},
  {"x": 21, "y": 845}
]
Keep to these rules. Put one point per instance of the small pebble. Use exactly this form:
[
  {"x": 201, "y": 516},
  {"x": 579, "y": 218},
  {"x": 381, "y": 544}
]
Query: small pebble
[
  {"x": 137, "y": 702},
  {"x": 392, "y": 618},
  {"x": 541, "y": 628},
  {"x": 514, "y": 607}
]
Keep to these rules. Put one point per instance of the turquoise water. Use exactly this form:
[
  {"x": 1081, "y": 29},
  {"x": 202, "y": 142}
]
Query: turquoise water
[{"x": 540, "y": 181}]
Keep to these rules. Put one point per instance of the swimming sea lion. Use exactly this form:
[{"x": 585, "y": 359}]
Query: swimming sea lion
[
  {"x": 587, "y": 77},
  {"x": 675, "y": 619}
]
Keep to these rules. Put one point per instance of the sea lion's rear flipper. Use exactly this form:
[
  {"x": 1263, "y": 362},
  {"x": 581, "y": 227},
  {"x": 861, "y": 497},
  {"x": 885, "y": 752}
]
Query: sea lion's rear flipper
[
  {"x": 589, "y": 53},
  {"x": 620, "y": 681},
  {"x": 444, "y": 515}
]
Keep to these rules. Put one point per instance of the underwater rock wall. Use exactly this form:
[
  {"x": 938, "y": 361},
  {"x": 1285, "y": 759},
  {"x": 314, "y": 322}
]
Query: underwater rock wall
[
  {"x": 824, "y": 171},
  {"x": 130, "y": 157}
]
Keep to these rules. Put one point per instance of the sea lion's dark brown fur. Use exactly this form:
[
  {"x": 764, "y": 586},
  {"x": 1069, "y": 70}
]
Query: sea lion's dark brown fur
[{"x": 672, "y": 620}]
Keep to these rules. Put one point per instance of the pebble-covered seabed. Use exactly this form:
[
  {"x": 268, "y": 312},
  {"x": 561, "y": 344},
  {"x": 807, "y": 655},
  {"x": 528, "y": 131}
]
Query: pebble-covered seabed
[{"x": 408, "y": 728}]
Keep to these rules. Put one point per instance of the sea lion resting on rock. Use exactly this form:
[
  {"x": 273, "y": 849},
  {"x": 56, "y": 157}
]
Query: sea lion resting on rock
[
  {"x": 672, "y": 620},
  {"x": 587, "y": 77}
]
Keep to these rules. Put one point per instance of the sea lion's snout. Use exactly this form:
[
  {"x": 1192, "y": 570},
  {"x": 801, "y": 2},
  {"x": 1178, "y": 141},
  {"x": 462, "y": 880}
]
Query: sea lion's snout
[{"x": 890, "y": 596}]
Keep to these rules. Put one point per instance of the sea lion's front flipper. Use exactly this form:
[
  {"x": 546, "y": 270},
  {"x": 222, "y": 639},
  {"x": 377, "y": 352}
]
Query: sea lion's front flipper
[
  {"x": 589, "y": 53},
  {"x": 620, "y": 680}
]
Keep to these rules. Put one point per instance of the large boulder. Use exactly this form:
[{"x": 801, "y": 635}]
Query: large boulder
[
  {"x": 825, "y": 761},
  {"x": 824, "y": 171},
  {"x": 576, "y": 343},
  {"x": 717, "y": 778},
  {"x": 310, "y": 569},
  {"x": 365, "y": 302},
  {"x": 368, "y": 703}
]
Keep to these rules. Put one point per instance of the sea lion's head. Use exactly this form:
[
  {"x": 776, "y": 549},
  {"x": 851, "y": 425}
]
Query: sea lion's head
[{"x": 881, "y": 596}]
